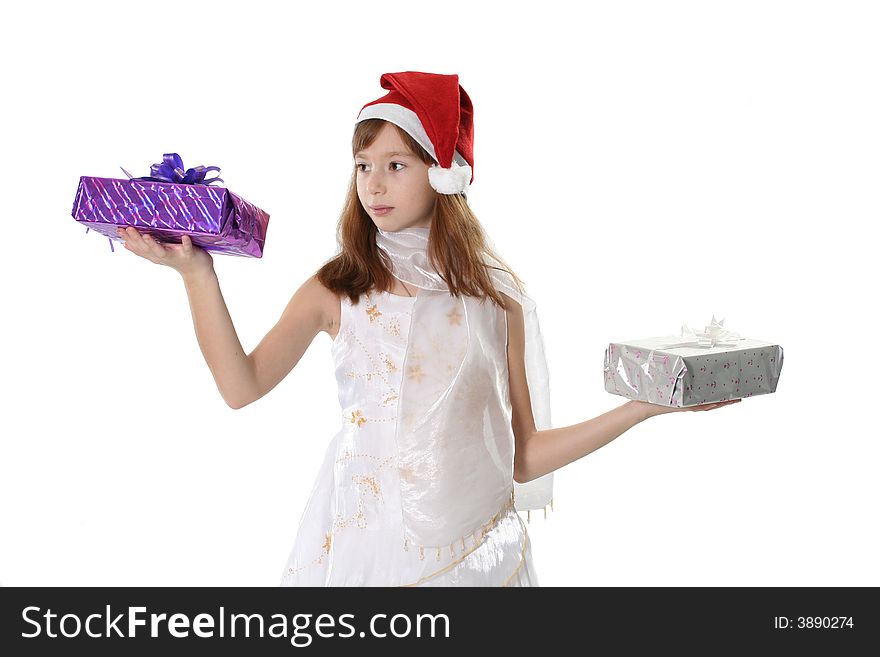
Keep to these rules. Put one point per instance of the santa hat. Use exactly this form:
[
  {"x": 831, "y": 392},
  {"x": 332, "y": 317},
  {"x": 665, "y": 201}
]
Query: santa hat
[{"x": 434, "y": 110}]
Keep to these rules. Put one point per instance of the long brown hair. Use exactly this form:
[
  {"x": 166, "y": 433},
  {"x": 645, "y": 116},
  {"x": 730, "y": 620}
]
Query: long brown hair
[{"x": 456, "y": 240}]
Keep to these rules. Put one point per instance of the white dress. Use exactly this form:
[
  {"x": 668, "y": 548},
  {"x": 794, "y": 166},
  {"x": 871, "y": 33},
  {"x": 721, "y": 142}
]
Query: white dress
[{"x": 351, "y": 531}]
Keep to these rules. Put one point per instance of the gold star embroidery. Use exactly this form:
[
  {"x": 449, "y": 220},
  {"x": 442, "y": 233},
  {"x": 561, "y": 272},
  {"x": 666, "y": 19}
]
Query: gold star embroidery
[
  {"x": 373, "y": 312},
  {"x": 358, "y": 418},
  {"x": 415, "y": 372},
  {"x": 390, "y": 364},
  {"x": 370, "y": 482},
  {"x": 454, "y": 316},
  {"x": 328, "y": 540}
]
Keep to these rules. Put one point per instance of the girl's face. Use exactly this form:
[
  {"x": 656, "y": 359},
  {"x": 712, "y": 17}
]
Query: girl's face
[{"x": 388, "y": 174}]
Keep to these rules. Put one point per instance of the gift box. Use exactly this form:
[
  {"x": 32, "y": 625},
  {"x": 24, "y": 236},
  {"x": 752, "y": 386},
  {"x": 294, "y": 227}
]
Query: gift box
[
  {"x": 172, "y": 202},
  {"x": 692, "y": 368}
]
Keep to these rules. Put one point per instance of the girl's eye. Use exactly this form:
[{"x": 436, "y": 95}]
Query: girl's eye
[{"x": 392, "y": 164}]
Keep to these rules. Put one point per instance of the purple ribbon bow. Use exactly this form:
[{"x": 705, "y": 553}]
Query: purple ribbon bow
[{"x": 170, "y": 170}]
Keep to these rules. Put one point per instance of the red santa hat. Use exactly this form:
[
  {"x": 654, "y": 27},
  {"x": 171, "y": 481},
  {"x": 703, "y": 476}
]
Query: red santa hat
[{"x": 435, "y": 111}]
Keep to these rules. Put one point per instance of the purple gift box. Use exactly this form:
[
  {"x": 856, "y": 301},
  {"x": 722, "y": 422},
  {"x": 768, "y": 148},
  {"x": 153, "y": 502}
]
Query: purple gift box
[{"x": 170, "y": 203}]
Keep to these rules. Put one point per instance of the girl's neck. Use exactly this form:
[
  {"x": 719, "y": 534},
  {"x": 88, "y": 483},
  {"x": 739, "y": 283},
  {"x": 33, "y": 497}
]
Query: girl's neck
[{"x": 418, "y": 230}]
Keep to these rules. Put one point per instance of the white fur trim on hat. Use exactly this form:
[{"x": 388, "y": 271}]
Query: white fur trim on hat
[{"x": 454, "y": 180}]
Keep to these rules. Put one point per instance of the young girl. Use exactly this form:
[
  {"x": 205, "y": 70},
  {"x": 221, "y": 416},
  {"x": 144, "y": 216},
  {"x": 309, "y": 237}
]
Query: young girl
[{"x": 439, "y": 360}]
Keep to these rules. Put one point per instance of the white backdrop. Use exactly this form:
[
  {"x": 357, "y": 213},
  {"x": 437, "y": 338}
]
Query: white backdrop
[{"x": 640, "y": 165}]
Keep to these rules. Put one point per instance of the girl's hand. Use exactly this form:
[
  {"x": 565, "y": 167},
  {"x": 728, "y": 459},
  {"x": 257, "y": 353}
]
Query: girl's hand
[
  {"x": 185, "y": 258},
  {"x": 650, "y": 410}
]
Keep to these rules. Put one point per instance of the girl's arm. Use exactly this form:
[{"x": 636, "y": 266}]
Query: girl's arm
[
  {"x": 312, "y": 308},
  {"x": 550, "y": 449},
  {"x": 541, "y": 452},
  {"x": 217, "y": 337},
  {"x": 242, "y": 379}
]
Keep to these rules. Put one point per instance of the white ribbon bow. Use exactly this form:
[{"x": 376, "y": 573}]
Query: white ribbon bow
[{"x": 715, "y": 335}]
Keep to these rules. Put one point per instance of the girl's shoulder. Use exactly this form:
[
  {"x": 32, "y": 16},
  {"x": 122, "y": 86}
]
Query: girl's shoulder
[{"x": 328, "y": 303}]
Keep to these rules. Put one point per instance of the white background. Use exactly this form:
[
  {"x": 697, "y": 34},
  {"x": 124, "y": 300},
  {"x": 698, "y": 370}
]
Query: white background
[{"x": 640, "y": 165}]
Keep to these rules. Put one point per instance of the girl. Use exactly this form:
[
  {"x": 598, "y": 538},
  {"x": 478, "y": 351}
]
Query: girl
[{"x": 439, "y": 360}]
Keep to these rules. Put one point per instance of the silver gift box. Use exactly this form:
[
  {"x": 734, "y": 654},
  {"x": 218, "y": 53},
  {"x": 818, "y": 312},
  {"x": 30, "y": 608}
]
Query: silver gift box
[{"x": 692, "y": 368}]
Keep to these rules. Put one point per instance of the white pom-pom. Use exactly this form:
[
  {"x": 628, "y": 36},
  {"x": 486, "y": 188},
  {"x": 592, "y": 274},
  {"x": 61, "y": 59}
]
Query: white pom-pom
[{"x": 449, "y": 181}]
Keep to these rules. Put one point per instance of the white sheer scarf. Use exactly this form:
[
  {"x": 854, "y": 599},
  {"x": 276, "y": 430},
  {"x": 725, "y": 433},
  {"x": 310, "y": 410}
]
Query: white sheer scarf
[{"x": 454, "y": 437}]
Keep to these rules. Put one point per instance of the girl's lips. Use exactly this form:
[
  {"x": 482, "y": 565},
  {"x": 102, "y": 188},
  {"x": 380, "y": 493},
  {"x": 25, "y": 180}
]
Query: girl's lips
[{"x": 382, "y": 210}]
